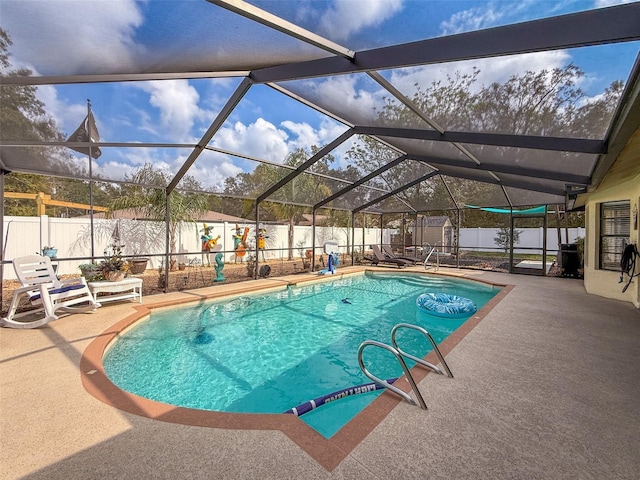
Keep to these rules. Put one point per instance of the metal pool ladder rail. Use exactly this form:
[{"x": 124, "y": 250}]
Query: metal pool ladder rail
[
  {"x": 399, "y": 354},
  {"x": 420, "y": 361},
  {"x": 431, "y": 250}
]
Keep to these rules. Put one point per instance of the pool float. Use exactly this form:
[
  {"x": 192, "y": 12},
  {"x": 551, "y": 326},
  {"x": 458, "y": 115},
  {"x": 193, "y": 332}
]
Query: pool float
[
  {"x": 446, "y": 305},
  {"x": 306, "y": 407}
]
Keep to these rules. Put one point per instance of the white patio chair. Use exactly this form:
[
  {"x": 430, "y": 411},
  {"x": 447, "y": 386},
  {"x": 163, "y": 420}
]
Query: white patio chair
[{"x": 44, "y": 290}]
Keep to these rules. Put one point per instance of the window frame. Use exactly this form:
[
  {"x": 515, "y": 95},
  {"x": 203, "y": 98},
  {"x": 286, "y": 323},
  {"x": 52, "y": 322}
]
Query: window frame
[{"x": 614, "y": 220}]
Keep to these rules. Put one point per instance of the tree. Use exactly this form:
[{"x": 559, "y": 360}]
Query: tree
[
  {"x": 546, "y": 102},
  {"x": 503, "y": 239},
  {"x": 23, "y": 117},
  {"x": 146, "y": 196},
  {"x": 302, "y": 189}
]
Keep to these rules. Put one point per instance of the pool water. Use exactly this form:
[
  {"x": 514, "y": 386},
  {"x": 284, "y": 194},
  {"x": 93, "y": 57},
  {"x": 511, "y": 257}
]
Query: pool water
[{"x": 270, "y": 352}]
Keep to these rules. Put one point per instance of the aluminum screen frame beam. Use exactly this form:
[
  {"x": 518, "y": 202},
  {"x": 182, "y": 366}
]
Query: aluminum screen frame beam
[
  {"x": 272, "y": 21},
  {"x": 438, "y": 162},
  {"x": 615, "y": 24},
  {"x": 396, "y": 191},
  {"x": 239, "y": 93},
  {"x": 279, "y": 165},
  {"x": 119, "y": 77},
  {"x": 558, "y": 144},
  {"x": 304, "y": 166},
  {"x": 507, "y": 183},
  {"x": 359, "y": 182}
]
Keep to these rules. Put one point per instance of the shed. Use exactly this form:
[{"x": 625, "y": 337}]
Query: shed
[{"x": 436, "y": 230}]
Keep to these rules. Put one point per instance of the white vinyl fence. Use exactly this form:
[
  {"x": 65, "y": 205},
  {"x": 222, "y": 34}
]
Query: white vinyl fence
[
  {"x": 483, "y": 239},
  {"x": 71, "y": 236}
]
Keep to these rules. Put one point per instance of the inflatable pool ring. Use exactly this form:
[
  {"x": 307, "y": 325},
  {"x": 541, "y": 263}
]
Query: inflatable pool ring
[{"x": 446, "y": 305}]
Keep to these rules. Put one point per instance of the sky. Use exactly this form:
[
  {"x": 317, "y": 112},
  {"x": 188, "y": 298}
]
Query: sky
[{"x": 110, "y": 35}]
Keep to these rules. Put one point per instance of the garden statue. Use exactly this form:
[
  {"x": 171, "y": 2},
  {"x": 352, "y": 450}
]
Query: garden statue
[
  {"x": 219, "y": 266},
  {"x": 262, "y": 236},
  {"x": 240, "y": 241},
  {"x": 209, "y": 244}
]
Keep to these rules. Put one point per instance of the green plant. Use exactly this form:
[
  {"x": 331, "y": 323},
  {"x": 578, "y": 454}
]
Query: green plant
[
  {"x": 146, "y": 196},
  {"x": 300, "y": 248},
  {"x": 580, "y": 247},
  {"x": 91, "y": 272},
  {"x": 114, "y": 261},
  {"x": 503, "y": 239}
]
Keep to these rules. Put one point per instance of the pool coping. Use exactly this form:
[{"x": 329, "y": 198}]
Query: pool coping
[{"x": 329, "y": 453}]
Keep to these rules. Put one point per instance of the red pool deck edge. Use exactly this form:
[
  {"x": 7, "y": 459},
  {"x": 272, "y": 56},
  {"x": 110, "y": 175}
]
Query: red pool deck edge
[{"x": 329, "y": 453}]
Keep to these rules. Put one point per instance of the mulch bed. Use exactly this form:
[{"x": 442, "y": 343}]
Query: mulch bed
[
  {"x": 191, "y": 277},
  {"x": 199, "y": 276}
]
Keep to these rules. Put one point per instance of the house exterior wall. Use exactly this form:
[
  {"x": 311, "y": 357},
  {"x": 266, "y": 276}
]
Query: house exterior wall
[{"x": 621, "y": 183}]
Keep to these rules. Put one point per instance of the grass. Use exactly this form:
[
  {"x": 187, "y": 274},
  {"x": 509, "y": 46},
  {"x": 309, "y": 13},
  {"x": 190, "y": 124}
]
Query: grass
[{"x": 522, "y": 256}]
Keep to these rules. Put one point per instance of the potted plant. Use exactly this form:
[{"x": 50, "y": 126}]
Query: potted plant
[
  {"x": 138, "y": 265},
  {"x": 91, "y": 272},
  {"x": 114, "y": 268},
  {"x": 51, "y": 252}
]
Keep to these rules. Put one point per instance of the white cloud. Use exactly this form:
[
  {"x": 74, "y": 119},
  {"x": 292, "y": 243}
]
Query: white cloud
[
  {"x": 499, "y": 13},
  {"x": 260, "y": 139},
  {"x": 609, "y": 3},
  {"x": 113, "y": 170},
  {"x": 472, "y": 19},
  {"x": 346, "y": 17},
  {"x": 343, "y": 91},
  {"x": 304, "y": 135},
  {"x": 67, "y": 116},
  {"x": 77, "y": 33},
  {"x": 177, "y": 102},
  {"x": 211, "y": 169},
  {"x": 329, "y": 130},
  {"x": 491, "y": 69}
]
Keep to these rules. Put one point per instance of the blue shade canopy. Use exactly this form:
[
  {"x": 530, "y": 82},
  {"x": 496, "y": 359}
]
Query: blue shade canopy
[
  {"x": 389, "y": 106},
  {"x": 524, "y": 211}
]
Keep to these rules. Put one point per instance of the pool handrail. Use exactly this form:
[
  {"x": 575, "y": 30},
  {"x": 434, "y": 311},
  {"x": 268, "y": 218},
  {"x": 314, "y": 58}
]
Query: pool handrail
[
  {"x": 384, "y": 383},
  {"x": 416, "y": 359},
  {"x": 431, "y": 250}
]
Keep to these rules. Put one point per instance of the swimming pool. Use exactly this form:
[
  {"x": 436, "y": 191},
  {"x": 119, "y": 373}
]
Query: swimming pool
[{"x": 267, "y": 353}]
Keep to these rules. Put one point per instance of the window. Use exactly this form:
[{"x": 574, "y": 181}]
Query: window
[{"x": 614, "y": 233}]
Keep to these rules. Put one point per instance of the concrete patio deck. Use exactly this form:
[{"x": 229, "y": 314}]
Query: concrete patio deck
[{"x": 547, "y": 385}]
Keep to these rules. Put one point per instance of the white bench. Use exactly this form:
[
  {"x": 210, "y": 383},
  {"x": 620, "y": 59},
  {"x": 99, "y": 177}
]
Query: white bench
[{"x": 129, "y": 288}]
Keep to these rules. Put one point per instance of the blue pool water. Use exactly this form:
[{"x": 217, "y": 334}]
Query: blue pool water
[{"x": 269, "y": 352}]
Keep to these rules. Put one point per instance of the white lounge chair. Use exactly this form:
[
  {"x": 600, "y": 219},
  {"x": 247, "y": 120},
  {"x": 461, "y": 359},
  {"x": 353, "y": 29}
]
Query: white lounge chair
[{"x": 46, "y": 291}]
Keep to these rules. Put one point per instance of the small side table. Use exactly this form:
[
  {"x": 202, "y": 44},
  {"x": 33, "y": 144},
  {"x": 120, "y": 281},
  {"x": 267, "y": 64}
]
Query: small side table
[{"x": 129, "y": 288}]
